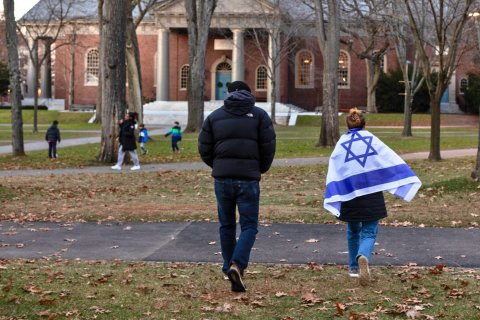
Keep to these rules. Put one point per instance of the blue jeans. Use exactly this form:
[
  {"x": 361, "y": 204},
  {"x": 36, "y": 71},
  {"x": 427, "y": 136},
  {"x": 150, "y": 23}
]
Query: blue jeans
[
  {"x": 244, "y": 194},
  {"x": 361, "y": 240}
]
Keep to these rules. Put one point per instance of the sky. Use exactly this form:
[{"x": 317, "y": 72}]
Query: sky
[{"x": 21, "y": 7}]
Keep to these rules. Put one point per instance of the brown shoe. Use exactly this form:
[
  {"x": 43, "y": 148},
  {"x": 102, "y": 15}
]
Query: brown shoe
[
  {"x": 235, "y": 278},
  {"x": 364, "y": 277}
]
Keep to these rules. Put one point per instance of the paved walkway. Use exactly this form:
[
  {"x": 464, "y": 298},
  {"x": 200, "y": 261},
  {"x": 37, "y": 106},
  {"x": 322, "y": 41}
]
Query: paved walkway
[
  {"x": 198, "y": 242},
  {"x": 42, "y": 145}
]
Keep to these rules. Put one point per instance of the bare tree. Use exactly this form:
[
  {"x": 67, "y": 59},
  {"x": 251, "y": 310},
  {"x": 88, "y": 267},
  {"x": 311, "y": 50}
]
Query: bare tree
[
  {"x": 113, "y": 40},
  {"x": 44, "y": 24},
  {"x": 134, "y": 73},
  {"x": 370, "y": 41},
  {"x": 399, "y": 32},
  {"x": 98, "y": 106},
  {"x": 476, "y": 171},
  {"x": 439, "y": 52},
  {"x": 16, "y": 95},
  {"x": 282, "y": 26},
  {"x": 328, "y": 34},
  {"x": 199, "y": 17}
]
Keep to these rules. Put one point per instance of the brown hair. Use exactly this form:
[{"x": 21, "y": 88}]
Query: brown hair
[{"x": 355, "y": 119}]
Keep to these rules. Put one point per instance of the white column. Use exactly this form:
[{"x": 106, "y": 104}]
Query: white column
[
  {"x": 163, "y": 84},
  {"x": 47, "y": 70},
  {"x": 30, "y": 72},
  {"x": 273, "y": 63},
  {"x": 238, "y": 55}
]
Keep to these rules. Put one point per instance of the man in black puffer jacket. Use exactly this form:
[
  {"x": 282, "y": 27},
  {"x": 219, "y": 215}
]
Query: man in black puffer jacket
[{"x": 238, "y": 142}]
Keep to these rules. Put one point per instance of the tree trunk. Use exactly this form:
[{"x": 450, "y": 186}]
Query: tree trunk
[
  {"x": 134, "y": 74},
  {"x": 199, "y": 17},
  {"x": 36, "y": 72},
  {"x": 273, "y": 44},
  {"x": 195, "y": 95},
  {"x": 407, "y": 113},
  {"x": 71, "y": 84},
  {"x": 98, "y": 106},
  {"x": 328, "y": 38},
  {"x": 16, "y": 95},
  {"x": 476, "y": 171},
  {"x": 114, "y": 76},
  {"x": 273, "y": 100},
  {"x": 329, "y": 132},
  {"x": 435, "y": 98},
  {"x": 373, "y": 74}
]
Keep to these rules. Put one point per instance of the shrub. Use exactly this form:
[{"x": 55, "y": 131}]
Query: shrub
[
  {"x": 4, "y": 79},
  {"x": 388, "y": 94},
  {"x": 472, "y": 94}
]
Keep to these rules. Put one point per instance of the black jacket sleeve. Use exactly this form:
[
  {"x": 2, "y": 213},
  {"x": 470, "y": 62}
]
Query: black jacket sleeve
[
  {"x": 267, "y": 143},
  {"x": 206, "y": 143}
]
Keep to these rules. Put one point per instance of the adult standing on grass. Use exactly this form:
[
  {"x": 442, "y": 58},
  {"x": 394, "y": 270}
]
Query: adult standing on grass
[
  {"x": 53, "y": 136},
  {"x": 360, "y": 168},
  {"x": 126, "y": 138},
  {"x": 238, "y": 142}
]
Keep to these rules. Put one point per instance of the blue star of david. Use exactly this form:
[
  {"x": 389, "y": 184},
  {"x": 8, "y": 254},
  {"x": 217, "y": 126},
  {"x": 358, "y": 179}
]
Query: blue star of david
[{"x": 361, "y": 158}]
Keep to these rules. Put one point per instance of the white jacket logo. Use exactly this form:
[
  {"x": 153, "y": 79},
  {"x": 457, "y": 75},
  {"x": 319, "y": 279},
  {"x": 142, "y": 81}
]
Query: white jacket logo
[{"x": 249, "y": 115}]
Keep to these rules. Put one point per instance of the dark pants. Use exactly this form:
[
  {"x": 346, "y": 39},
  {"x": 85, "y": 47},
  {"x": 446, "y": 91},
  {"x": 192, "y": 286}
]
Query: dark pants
[
  {"x": 245, "y": 194},
  {"x": 52, "y": 149},
  {"x": 175, "y": 141}
]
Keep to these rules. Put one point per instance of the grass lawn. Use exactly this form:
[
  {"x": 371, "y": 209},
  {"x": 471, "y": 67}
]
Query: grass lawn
[
  {"x": 70, "y": 120},
  {"x": 121, "y": 290},
  {"x": 448, "y": 198},
  {"x": 291, "y": 142},
  {"x": 60, "y": 289}
]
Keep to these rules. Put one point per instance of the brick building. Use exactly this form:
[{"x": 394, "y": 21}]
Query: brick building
[{"x": 232, "y": 54}]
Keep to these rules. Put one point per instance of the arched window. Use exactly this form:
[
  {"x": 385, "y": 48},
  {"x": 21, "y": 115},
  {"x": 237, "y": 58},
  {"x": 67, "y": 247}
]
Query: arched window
[
  {"x": 262, "y": 79},
  {"x": 304, "y": 69},
  {"x": 92, "y": 67},
  {"x": 184, "y": 73},
  {"x": 463, "y": 85},
  {"x": 343, "y": 70}
]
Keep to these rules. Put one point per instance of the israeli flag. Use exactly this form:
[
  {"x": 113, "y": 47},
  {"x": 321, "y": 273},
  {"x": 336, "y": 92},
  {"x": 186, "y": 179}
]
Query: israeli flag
[{"x": 362, "y": 164}]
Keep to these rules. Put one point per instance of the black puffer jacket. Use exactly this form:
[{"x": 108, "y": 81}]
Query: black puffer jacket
[
  {"x": 238, "y": 139},
  {"x": 126, "y": 136},
  {"x": 364, "y": 208}
]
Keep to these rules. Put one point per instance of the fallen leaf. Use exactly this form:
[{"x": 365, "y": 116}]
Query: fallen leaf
[{"x": 340, "y": 308}]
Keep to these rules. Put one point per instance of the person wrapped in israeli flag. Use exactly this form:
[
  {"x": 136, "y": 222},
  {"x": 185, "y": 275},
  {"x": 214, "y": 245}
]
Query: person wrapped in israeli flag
[
  {"x": 362, "y": 164},
  {"x": 360, "y": 168}
]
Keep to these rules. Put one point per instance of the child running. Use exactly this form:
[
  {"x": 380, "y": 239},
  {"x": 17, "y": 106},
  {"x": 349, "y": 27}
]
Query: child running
[{"x": 176, "y": 133}]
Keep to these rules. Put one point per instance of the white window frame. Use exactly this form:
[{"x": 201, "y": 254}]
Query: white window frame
[
  {"x": 87, "y": 81},
  {"x": 266, "y": 78},
  {"x": 181, "y": 77},
  {"x": 347, "y": 69},
  {"x": 311, "y": 82}
]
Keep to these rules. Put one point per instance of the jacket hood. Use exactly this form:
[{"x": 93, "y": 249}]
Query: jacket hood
[{"x": 239, "y": 102}]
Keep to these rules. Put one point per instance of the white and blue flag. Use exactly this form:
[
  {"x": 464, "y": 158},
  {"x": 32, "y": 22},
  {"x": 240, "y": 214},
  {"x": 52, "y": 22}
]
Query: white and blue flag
[{"x": 362, "y": 164}]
